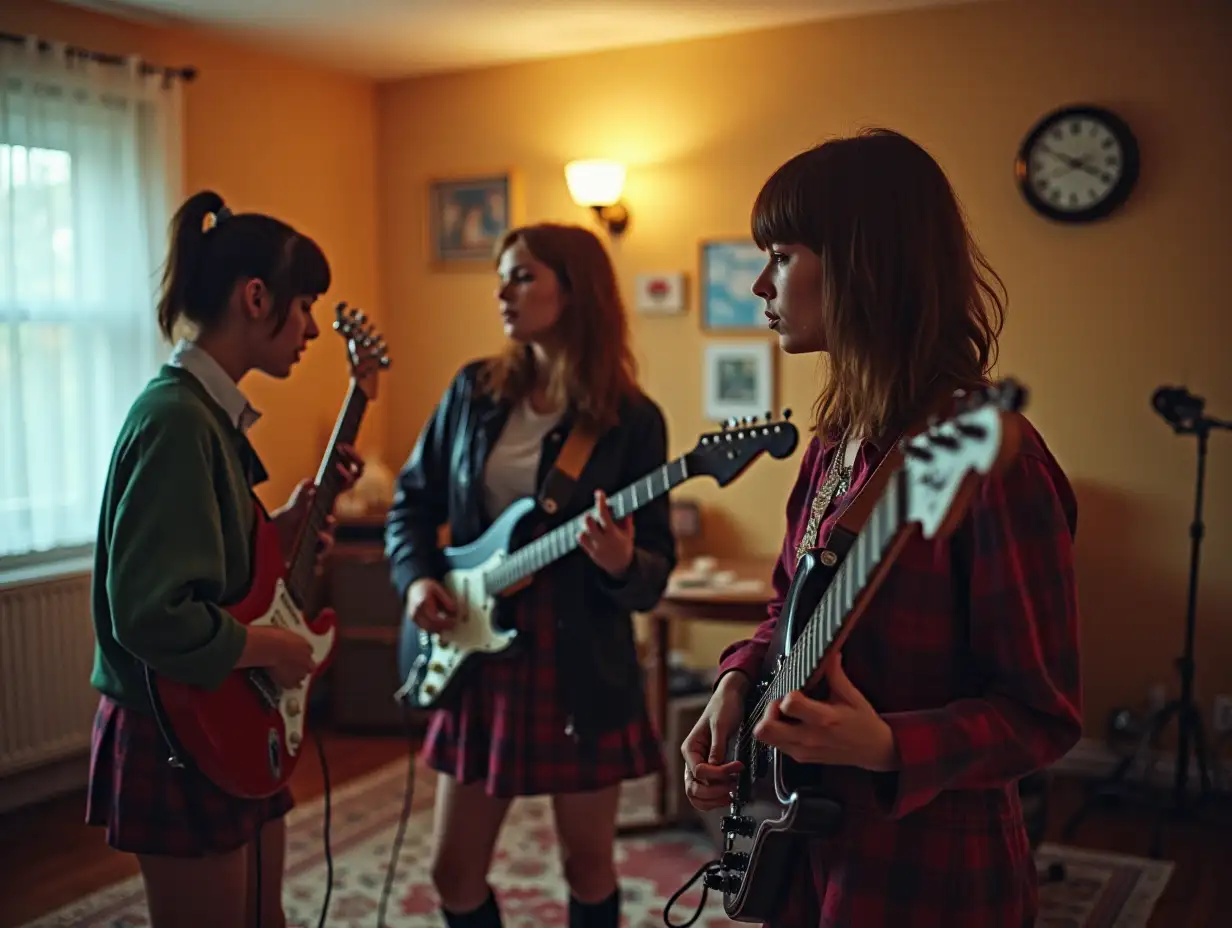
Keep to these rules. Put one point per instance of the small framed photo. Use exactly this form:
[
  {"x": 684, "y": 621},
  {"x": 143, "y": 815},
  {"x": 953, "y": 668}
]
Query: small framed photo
[
  {"x": 660, "y": 294},
  {"x": 725, "y": 284},
  {"x": 467, "y": 217},
  {"x": 738, "y": 380}
]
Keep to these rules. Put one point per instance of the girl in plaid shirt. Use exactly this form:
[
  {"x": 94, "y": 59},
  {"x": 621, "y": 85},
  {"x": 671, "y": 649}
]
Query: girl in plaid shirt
[{"x": 963, "y": 674}]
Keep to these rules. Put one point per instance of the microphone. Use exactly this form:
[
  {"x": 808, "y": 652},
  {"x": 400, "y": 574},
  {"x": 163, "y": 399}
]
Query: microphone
[{"x": 1177, "y": 405}]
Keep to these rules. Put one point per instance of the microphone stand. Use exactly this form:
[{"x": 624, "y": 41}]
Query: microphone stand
[{"x": 1190, "y": 729}]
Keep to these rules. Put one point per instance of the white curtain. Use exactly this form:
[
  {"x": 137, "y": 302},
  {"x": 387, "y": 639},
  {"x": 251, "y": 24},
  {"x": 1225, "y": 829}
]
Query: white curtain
[{"x": 90, "y": 174}]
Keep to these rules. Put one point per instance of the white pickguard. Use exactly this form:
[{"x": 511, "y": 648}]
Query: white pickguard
[
  {"x": 473, "y": 633},
  {"x": 293, "y": 703}
]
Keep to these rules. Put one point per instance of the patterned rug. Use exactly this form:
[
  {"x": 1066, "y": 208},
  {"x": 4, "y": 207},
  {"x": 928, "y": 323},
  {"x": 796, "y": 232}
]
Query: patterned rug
[{"x": 1100, "y": 891}]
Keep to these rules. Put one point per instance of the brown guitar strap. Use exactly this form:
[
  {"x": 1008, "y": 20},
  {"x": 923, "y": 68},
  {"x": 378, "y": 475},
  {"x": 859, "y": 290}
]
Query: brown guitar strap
[{"x": 559, "y": 484}]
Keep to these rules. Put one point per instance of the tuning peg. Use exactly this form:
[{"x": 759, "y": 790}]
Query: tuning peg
[{"x": 787, "y": 413}]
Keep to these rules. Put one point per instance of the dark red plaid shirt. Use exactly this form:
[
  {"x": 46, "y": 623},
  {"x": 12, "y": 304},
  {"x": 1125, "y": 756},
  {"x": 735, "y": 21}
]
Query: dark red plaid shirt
[{"x": 976, "y": 699}]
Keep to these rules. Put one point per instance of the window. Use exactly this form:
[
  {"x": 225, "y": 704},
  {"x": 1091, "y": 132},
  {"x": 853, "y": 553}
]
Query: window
[{"x": 85, "y": 185}]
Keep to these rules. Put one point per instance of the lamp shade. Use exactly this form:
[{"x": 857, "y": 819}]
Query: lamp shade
[{"x": 595, "y": 182}]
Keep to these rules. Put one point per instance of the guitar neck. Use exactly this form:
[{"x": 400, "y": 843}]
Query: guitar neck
[
  {"x": 328, "y": 483},
  {"x": 887, "y": 520},
  {"x": 563, "y": 539}
]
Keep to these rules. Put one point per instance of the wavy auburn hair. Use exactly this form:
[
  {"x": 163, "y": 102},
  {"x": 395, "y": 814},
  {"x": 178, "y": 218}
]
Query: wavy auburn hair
[
  {"x": 909, "y": 305},
  {"x": 596, "y": 369}
]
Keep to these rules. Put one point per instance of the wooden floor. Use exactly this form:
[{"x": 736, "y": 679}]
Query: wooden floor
[{"x": 48, "y": 857}]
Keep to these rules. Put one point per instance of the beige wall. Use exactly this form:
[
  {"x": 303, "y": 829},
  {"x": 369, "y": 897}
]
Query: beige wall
[
  {"x": 264, "y": 132},
  {"x": 1098, "y": 316}
]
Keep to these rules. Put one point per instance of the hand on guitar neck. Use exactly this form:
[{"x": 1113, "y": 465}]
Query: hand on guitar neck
[
  {"x": 607, "y": 541},
  {"x": 290, "y": 519}
]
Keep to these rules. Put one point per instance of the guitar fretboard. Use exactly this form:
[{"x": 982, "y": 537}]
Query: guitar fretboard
[
  {"x": 888, "y": 517},
  {"x": 541, "y": 552},
  {"x": 303, "y": 562}
]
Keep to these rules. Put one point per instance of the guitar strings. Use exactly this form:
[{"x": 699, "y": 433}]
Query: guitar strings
[{"x": 884, "y": 516}]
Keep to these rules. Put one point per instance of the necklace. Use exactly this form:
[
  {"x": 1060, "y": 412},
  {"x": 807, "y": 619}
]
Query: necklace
[{"x": 838, "y": 478}]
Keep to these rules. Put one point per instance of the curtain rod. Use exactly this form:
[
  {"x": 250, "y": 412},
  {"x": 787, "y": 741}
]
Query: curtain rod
[{"x": 186, "y": 74}]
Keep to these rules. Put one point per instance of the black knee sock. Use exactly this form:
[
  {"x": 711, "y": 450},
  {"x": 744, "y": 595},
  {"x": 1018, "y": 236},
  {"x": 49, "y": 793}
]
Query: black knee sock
[
  {"x": 602, "y": 914},
  {"x": 486, "y": 916}
]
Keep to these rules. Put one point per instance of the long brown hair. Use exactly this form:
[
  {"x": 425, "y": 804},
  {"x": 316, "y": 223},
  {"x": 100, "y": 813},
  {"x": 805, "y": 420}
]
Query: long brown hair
[
  {"x": 595, "y": 369},
  {"x": 909, "y": 307},
  {"x": 204, "y": 263}
]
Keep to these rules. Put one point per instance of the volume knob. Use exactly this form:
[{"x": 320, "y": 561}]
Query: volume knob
[
  {"x": 734, "y": 860},
  {"x": 742, "y": 825},
  {"x": 723, "y": 882}
]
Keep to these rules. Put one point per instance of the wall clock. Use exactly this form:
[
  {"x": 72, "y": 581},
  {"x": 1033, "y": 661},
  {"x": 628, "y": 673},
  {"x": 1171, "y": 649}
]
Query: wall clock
[{"x": 1078, "y": 164}]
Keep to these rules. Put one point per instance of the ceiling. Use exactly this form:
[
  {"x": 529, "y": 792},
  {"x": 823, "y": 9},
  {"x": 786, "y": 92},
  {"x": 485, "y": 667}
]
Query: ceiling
[{"x": 385, "y": 39}]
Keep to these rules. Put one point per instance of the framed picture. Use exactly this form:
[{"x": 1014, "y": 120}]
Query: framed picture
[
  {"x": 738, "y": 379},
  {"x": 725, "y": 283},
  {"x": 660, "y": 294},
  {"x": 467, "y": 217}
]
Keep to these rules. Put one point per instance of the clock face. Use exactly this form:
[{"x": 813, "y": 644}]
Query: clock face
[{"x": 1078, "y": 164}]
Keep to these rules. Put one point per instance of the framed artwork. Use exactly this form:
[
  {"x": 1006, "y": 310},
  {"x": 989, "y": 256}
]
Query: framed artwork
[
  {"x": 725, "y": 282},
  {"x": 467, "y": 217},
  {"x": 738, "y": 379},
  {"x": 660, "y": 294}
]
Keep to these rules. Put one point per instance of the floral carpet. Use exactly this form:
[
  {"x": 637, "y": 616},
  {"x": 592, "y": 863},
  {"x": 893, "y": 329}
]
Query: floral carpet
[{"x": 1100, "y": 890}]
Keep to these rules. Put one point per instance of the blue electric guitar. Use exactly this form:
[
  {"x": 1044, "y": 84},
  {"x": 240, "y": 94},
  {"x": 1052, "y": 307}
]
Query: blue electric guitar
[{"x": 480, "y": 573}]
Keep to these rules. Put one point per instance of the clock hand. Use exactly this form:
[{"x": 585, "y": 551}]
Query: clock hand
[{"x": 1074, "y": 163}]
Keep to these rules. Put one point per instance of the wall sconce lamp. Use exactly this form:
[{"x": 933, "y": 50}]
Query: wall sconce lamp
[{"x": 598, "y": 184}]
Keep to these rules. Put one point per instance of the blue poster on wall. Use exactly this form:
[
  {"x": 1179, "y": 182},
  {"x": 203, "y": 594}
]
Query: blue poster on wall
[{"x": 728, "y": 270}]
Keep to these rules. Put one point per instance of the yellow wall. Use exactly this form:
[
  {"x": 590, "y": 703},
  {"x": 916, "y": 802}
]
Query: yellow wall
[
  {"x": 1098, "y": 316},
  {"x": 264, "y": 132}
]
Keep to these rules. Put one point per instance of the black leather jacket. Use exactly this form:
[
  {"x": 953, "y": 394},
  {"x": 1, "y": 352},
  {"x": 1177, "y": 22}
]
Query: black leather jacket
[{"x": 442, "y": 483}]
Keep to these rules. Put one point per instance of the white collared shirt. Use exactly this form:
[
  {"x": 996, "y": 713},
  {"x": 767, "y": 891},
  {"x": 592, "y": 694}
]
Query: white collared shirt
[{"x": 217, "y": 382}]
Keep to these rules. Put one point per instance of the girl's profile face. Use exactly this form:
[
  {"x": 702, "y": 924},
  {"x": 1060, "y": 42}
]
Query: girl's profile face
[
  {"x": 530, "y": 296},
  {"x": 278, "y": 352},
  {"x": 791, "y": 285}
]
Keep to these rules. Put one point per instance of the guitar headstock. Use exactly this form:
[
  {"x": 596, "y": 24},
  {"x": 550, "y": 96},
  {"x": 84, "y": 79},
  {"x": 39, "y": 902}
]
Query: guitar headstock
[
  {"x": 366, "y": 353},
  {"x": 944, "y": 463},
  {"x": 725, "y": 454}
]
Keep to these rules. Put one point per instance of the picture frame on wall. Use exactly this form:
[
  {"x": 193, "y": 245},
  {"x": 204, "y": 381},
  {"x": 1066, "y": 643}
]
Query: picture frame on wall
[
  {"x": 467, "y": 216},
  {"x": 738, "y": 379},
  {"x": 727, "y": 270}
]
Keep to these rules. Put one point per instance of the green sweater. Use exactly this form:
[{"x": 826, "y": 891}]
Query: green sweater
[{"x": 174, "y": 541}]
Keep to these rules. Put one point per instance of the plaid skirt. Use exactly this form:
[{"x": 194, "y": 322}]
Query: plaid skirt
[
  {"x": 150, "y": 807},
  {"x": 507, "y": 728}
]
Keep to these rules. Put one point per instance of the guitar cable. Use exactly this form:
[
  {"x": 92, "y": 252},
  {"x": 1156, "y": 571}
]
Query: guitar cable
[
  {"x": 710, "y": 866},
  {"x": 329, "y": 857},
  {"x": 408, "y": 796}
]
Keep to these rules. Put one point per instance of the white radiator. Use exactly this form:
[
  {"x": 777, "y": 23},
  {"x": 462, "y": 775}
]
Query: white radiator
[{"x": 46, "y": 654}]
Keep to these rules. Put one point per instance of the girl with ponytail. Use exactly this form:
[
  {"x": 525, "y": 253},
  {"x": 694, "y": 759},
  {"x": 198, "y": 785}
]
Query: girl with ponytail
[{"x": 174, "y": 547}]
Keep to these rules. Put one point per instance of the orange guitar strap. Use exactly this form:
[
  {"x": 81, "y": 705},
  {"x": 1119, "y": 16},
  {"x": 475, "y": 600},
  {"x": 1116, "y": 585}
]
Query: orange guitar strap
[{"x": 560, "y": 482}]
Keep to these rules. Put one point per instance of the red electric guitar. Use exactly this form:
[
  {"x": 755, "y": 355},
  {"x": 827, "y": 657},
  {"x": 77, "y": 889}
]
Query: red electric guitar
[{"x": 247, "y": 735}]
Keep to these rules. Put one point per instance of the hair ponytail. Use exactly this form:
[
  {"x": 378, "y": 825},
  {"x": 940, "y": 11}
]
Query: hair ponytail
[
  {"x": 187, "y": 240},
  {"x": 206, "y": 260}
]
